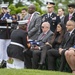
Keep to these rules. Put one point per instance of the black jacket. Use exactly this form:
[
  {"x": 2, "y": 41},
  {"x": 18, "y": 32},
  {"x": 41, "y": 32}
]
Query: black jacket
[
  {"x": 53, "y": 20},
  {"x": 68, "y": 41},
  {"x": 67, "y": 18},
  {"x": 5, "y": 30},
  {"x": 14, "y": 51}
]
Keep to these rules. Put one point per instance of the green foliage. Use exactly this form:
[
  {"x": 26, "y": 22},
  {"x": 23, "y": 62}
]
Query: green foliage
[
  {"x": 10, "y": 1},
  {"x": 38, "y": 8},
  {"x": 18, "y": 10},
  {"x": 13, "y": 9},
  {"x": 19, "y": 4},
  {"x": 38, "y": 3}
]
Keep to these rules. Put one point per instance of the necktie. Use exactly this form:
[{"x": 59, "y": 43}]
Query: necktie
[
  {"x": 29, "y": 18},
  {"x": 43, "y": 36},
  {"x": 70, "y": 17},
  {"x": 28, "y": 21},
  {"x": 48, "y": 15},
  {"x": 68, "y": 34}
]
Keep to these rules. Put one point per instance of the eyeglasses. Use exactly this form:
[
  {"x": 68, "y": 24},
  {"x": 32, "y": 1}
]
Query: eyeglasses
[
  {"x": 69, "y": 25},
  {"x": 44, "y": 27}
]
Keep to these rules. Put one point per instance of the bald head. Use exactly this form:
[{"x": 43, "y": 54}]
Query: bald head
[
  {"x": 32, "y": 6},
  {"x": 31, "y": 9},
  {"x": 45, "y": 26},
  {"x": 70, "y": 25},
  {"x": 71, "y": 22}
]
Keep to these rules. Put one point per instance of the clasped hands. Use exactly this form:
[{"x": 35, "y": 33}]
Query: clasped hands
[{"x": 35, "y": 47}]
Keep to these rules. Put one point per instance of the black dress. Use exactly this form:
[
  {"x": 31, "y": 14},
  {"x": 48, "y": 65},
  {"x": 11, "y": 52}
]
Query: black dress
[{"x": 18, "y": 36}]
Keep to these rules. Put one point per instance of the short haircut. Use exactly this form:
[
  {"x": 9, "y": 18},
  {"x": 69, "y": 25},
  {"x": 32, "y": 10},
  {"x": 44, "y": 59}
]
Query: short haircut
[
  {"x": 71, "y": 5},
  {"x": 71, "y": 21},
  {"x": 62, "y": 9},
  {"x": 24, "y": 9},
  {"x": 47, "y": 23}
]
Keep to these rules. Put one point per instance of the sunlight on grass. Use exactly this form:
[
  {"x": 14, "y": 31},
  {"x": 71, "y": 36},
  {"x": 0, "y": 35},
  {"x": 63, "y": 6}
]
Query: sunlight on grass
[{"x": 30, "y": 72}]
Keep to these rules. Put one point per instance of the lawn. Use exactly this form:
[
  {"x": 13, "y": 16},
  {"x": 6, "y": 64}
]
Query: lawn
[{"x": 30, "y": 72}]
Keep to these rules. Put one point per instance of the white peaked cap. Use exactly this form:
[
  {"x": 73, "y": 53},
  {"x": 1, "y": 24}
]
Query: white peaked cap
[
  {"x": 22, "y": 22},
  {"x": 9, "y": 20},
  {"x": 4, "y": 5}
]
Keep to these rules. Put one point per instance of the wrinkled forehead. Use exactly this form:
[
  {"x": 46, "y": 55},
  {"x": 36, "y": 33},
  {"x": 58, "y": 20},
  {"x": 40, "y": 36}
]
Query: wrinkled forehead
[
  {"x": 31, "y": 7},
  {"x": 71, "y": 23},
  {"x": 46, "y": 24}
]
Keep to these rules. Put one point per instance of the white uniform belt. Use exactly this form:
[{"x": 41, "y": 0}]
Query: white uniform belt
[
  {"x": 18, "y": 44},
  {"x": 5, "y": 27}
]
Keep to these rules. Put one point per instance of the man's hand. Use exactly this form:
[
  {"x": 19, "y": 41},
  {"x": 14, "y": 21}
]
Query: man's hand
[
  {"x": 71, "y": 48},
  {"x": 47, "y": 43},
  {"x": 60, "y": 50},
  {"x": 36, "y": 47}
]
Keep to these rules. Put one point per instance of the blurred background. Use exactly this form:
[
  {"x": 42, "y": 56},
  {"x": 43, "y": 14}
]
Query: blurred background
[{"x": 16, "y": 5}]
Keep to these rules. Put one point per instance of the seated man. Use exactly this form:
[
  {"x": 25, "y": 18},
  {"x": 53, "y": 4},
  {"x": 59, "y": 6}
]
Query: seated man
[
  {"x": 69, "y": 41},
  {"x": 70, "y": 58},
  {"x": 43, "y": 38}
]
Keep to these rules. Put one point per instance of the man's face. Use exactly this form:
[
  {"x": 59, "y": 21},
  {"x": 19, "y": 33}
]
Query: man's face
[
  {"x": 50, "y": 9},
  {"x": 70, "y": 26},
  {"x": 70, "y": 9},
  {"x": 23, "y": 12},
  {"x": 45, "y": 27},
  {"x": 60, "y": 12},
  {"x": 4, "y": 10},
  {"x": 31, "y": 10}
]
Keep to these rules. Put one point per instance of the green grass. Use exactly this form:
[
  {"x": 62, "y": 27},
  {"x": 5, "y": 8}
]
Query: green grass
[{"x": 30, "y": 72}]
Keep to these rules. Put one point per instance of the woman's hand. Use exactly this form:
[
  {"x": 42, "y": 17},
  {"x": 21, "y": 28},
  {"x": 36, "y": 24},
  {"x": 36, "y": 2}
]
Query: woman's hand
[{"x": 47, "y": 43}]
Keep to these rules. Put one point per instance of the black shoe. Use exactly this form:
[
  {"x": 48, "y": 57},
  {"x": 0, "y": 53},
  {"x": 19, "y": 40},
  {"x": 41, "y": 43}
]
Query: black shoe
[
  {"x": 40, "y": 66},
  {"x": 3, "y": 64}
]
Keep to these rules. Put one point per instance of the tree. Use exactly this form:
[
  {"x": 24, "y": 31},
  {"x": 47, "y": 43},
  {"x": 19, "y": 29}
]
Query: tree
[
  {"x": 19, "y": 4},
  {"x": 40, "y": 3},
  {"x": 10, "y": 1}
]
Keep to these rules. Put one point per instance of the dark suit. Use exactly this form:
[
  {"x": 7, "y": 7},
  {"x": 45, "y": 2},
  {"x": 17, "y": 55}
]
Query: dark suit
[
  {"x": 67, "y": 18},
  {"x": 62, "y": 19},
  {"x": 68, "y": 42},
  {"x": 37, "y": 53},
  {"x": 28, "y": 54},
  {"x": 53, "y": 20}
]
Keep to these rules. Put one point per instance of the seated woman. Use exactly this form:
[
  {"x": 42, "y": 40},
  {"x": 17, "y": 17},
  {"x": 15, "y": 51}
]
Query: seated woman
[
  {"x": 53, "y": 43},
  {"x": 70, "y": 58},
  {"x": 19, "y": 42},
  {"x": 53, "y": 53}
]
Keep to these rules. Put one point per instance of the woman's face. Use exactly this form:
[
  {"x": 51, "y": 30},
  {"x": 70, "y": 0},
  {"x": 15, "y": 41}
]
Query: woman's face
[{"x": 59, "y": 28}]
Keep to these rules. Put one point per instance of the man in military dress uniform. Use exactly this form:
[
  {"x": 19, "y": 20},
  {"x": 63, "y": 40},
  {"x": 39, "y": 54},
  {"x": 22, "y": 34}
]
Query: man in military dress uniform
[
  {"x": 50, "y": 16},
  {"x": 5, "y": 31}
]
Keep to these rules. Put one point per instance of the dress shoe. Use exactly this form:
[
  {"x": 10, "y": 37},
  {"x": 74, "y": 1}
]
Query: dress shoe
[
  {"x": 40, "y": 66},
  {"x": 3, "y": 64}
]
